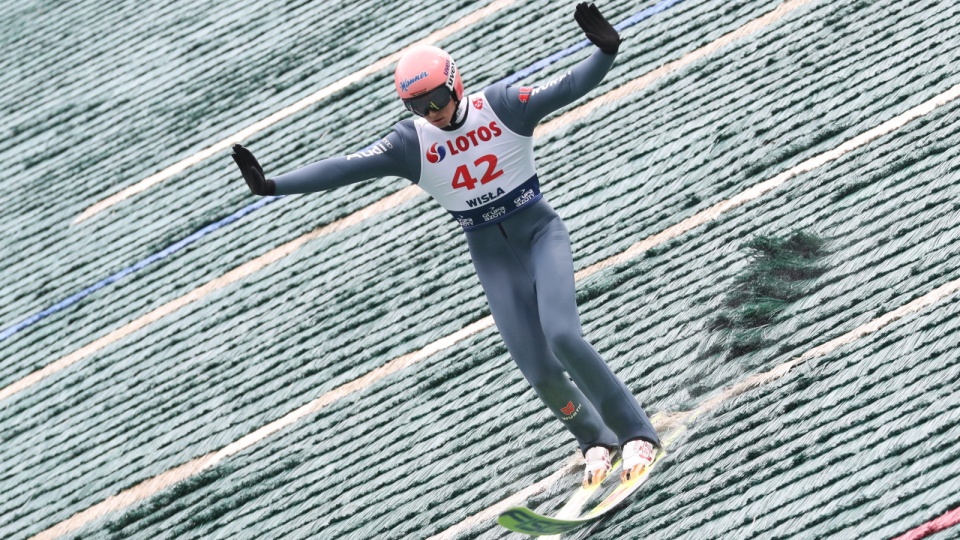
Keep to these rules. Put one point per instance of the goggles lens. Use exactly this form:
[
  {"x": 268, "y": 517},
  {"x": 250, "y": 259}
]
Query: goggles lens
[{"x": 433, "y": 100}]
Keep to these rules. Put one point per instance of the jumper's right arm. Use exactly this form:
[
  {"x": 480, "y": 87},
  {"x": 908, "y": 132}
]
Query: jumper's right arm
[
  {"x": 524, "y": 107},
  {"x": 394, "y": 155}
]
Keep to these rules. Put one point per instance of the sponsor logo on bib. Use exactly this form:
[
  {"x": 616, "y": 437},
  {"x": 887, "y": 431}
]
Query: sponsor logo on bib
[
  {"x": 436, "y": 153},
  {"x": 494, "y": 213},
  {"x": 485, "y": 198},
  {"x": 526, "y": 196},
  {"x": 463, "y": 143}
]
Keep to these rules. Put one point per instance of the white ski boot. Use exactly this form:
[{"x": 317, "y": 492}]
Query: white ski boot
[
  {"x": 597, "y": 465},
  {"x": 637, "y": 456}
]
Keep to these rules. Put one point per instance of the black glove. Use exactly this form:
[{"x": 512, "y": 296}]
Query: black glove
[
  {"x": 597, "y": 29},
  {"x": 252, "y": 172}
]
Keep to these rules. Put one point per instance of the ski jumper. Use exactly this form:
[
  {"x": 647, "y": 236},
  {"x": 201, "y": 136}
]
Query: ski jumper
[{"x": 481, "y": 169}]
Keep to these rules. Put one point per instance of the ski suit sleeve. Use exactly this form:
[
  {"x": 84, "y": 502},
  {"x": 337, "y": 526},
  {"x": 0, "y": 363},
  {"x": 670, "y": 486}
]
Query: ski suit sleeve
[
  {"x": 393, "y": 155},
  {"x": 522, "y": 108}
]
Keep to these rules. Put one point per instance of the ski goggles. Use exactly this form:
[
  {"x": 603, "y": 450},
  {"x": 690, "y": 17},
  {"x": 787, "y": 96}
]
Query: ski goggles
[{"x": 433, "y": 100}]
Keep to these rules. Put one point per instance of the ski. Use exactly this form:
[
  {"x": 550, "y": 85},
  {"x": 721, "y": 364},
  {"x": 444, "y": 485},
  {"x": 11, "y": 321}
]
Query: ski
[{"x": 523, "y": 520}]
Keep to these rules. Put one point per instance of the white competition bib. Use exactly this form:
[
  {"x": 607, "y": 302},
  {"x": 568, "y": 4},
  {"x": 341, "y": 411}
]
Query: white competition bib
[{"x": 481, "y": 172}]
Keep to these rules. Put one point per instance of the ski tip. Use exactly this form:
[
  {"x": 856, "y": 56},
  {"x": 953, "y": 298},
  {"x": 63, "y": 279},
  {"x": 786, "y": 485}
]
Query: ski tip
[{"x": 525, "y": 521}]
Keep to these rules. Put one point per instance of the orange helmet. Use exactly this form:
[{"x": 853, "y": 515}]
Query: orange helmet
[{"x": 426, "y": 78}]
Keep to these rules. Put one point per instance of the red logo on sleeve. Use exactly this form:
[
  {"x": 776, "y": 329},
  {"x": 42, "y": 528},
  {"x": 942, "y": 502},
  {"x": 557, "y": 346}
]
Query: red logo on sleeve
[
  {"x": 569, "y": 409},
  {"x": 525, "y": 93},
  {"x": 478, "y": 103}
]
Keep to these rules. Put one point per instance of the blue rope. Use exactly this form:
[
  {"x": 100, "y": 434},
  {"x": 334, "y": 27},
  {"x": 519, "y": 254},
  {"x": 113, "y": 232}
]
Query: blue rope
[
  {"x": 166, "y": 252},
  {"x": 634, "y": 19}
]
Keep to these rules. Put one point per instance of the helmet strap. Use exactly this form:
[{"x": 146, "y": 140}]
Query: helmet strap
[{"x": 459, "y": 115}]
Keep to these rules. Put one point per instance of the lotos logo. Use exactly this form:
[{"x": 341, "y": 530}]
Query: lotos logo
[
  {"x": 478, "y": 103},
  {"x": 473, "y": 138},
  {"x": 406, "y": 83},
  {"x": 436, "y": 153},
  {"x": 525, "y": 93}
]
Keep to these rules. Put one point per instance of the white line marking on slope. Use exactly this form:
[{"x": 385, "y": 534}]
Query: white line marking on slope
[
  {"x": 645, "y": 80},
  {"x": 230, "y": 277},
  {"x": 925, "y": 301},
  {"x": 491, "y": 512},
  {"x": 286, "y": 112},
  {"x": 193, "y": 467},
  {"x": 757, "y": 190}
]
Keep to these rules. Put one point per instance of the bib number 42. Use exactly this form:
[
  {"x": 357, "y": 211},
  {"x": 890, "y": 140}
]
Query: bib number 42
[{"x": 462, "y": 178}]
